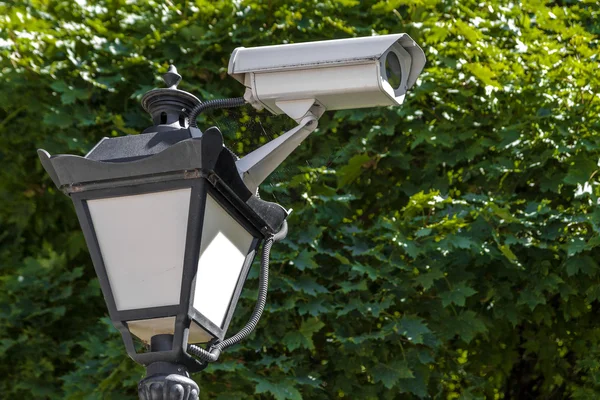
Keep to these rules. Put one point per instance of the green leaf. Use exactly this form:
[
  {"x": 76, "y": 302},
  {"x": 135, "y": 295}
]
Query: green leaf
[
  {"x": 466, "y": 325},
  {"x": 228, "y": 366},
  {"x": 460, "y": 242},
  {"x": 457, "y": 295},
  {"x": 503, "y": 213},
  {"x": 531, "y": 298},
  {"x": 302, "y": 338},
  {"x": 550, "y": 283},
  {"x": 71, "y": 96},
  {"x": 348, "y": 287},
  {"x": 305, "y": 260},
  {"x": 427, "y": 279},
  {"x": 593, "y": 293},
  {"x": 308, "y": 286},
  {"x": 314, "y": 307},
  {"x": 390, "y": 373},
  {"x": 295, "y": 340},
  {"x": 373, "y": 308},
  {"x": 483, "y": 73},
  {"x": 423, "y": 232},
  {"x": 413, "y": 328},
  {"x": 584, "y": 264},
  {"x": 576, "y": 245},
  {"x": 60, "y": 86},
  {"x": 508, "y": 253},
  {"x": 418, "y": 384},
  {"x": 581, "y": 169},
  {"x": 282, "y": 389},
  {"x": 60, "y": 120},
  {"x": 351, "y": 171},
  {"x": 367, "y": 270},
  {"x": 6, "y": 344}
]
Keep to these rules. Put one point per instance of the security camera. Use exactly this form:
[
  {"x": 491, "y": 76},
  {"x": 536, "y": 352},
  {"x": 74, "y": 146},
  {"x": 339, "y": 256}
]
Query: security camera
[
  {"x": 303, "y": 80},
  {"x": 332, "y": 74}
]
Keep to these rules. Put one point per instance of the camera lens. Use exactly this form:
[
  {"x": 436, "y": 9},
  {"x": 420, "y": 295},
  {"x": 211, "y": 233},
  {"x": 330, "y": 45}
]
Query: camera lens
[{"x": 393, "y": 70}]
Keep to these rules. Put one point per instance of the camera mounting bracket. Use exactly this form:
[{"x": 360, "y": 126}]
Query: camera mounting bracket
[{"x": 256, "y": 166}]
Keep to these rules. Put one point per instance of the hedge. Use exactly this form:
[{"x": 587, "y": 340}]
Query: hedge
[{"x": 444, "y": 249}]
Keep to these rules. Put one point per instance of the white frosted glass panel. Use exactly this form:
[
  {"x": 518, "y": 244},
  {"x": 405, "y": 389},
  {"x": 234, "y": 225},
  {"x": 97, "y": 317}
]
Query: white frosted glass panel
[
  {"x": 142, "y": 241},
  {"x": 223, "y": 250},
  {"x": 146, "y": 328}
]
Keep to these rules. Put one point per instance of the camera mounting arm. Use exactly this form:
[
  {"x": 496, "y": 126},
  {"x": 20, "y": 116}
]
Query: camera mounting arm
[{"x": 256, "y": 166}]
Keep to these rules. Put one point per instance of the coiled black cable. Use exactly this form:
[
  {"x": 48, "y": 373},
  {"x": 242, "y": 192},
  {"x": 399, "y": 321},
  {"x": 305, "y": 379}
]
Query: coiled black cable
[
  {"x": 212, "y": 105},
  {"x": 214, "y": 352}
]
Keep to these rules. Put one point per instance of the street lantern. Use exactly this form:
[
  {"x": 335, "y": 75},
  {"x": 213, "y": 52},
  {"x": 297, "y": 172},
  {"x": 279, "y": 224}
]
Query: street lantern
[{"x": 171, "y": 228}]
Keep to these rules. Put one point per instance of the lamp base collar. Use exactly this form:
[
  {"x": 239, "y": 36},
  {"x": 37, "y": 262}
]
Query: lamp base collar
[{"x": 167, "y": 381}]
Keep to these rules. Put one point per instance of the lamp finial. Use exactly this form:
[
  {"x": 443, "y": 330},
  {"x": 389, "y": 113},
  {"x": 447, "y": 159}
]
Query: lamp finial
[{"x": 172, "y": 77}]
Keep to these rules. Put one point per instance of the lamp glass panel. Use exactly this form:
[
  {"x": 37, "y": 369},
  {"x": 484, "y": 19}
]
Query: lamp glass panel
[
  {"x": 146, "y": 328},
  {"x": 142, "y": 242},
  {"x": 224, "y": 247},
  {"x": 198, "y": 335}
]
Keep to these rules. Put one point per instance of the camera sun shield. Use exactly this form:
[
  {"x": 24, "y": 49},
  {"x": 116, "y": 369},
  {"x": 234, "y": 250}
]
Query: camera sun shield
[{"x": 335, "y": 74}]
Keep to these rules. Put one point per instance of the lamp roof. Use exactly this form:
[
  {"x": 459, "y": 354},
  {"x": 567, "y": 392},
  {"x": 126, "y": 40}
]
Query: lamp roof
[{"x": 161, "y": 153}]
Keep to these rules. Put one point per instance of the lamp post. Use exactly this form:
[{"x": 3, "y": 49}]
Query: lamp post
[
  {"x": 172, "y": 218},
  {"x": 172, "y": 231}
]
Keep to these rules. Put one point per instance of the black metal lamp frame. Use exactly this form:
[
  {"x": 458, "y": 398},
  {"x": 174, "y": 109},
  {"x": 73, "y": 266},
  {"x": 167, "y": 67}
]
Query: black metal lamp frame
[
  {"x": 208, "y": 169},
  {"x": 184, "y": 311}
]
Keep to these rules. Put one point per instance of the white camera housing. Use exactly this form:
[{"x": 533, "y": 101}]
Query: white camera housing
[{"x": 332, "y": 74}]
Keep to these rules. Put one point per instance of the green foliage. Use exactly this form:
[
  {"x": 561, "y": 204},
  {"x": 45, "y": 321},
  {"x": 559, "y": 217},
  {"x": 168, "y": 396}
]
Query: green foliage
[{"x": 447, "y": 248}]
